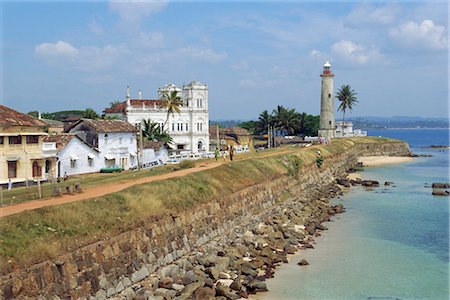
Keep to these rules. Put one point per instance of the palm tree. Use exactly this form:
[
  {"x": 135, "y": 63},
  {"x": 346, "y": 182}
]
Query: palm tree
[
  {"x": 153, "y": 132},
  {"x": 264, "y": 120},
  {"x": 286, "y": 119},
  {"x": 172, "y": 102},
  {"x": 114, "y": 103},
  {"x": 347, "y": 97}
]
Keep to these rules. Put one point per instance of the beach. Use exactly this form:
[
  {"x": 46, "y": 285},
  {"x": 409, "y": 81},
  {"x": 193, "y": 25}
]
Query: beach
[{"x": 371, "y": 161}]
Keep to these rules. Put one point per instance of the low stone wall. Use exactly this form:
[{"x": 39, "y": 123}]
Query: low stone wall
[{"x": 107, "y": 268}]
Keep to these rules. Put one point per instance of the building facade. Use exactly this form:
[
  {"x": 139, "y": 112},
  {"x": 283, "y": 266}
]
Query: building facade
[
  {"x": 115, "y": 141},
  {"x": 74, "y": 156},
  {"x": 22, "y": 156},
  {"x": 189, "y": 128},
  {"x": 345, "y": 129},
  {"x": 327, "y": 129}
]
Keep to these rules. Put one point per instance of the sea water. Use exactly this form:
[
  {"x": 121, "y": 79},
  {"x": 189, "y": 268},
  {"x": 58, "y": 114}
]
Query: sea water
[{"x": 392, "y": 243}]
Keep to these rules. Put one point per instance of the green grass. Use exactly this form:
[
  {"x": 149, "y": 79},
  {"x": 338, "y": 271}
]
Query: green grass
[{"x": 33, "y": 236}]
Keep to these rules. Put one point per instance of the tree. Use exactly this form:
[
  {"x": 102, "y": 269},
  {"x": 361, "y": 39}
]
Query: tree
[
  {"x": 153, "y": 132},
  {"x": 172, "y": 102},
  {"x": 347, "y": 97},
  {"x": 264, "y": 120},
  {"x": 89, "y": 113},
  {"x": 249, "y": 125},
  {"x": 287, "y": 120},
  {"x": 114, "y": 103},
  {"x": 311, "y": 125}
]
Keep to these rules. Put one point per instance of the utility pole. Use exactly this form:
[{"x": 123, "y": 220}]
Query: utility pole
[
  {"x": 138, "y": 137},
  {"x": 39, "y": 188},
  {"x": 141, "y": 145},
  {"x": 268, "y": 136},
  {"x": 218, "y": 138}
]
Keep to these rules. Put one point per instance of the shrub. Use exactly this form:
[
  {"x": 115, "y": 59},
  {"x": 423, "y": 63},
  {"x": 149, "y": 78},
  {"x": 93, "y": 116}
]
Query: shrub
[{"x": 186, "y": 164}]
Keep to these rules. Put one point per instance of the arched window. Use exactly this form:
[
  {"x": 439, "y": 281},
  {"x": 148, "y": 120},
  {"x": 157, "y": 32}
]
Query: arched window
[{"x": 200, "y": 145}]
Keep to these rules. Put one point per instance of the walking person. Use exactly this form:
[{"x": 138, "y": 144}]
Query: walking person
[
  {"x": 224, "y": 155},
  {"x": 231, "y": 153},
  {"x": 9, "y": 184},
  {"x": 216, "y": 153}
]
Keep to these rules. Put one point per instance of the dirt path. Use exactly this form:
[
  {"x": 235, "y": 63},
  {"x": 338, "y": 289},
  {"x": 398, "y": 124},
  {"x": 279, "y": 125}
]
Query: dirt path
[
  {"x": 100, "y": 190},
  {"x": 117, "y": 186}
]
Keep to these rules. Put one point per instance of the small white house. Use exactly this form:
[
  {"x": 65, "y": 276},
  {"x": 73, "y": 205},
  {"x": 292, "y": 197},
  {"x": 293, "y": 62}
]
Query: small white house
[
  {"x": 154, "y": 154},
  {"x": 74, "y": 156},
  {"x": 345, "y": 129},
  {"x": 114, "y": 139}
]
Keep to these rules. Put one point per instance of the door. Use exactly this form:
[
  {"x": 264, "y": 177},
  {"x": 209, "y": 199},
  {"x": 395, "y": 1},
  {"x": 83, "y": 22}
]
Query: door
[
  {"x": 12, "y": 169},
  {"x": 37, "y": 170}
]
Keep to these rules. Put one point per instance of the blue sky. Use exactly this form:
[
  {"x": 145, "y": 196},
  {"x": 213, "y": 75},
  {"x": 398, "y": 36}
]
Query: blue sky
[{"x": 253, "y": 55}]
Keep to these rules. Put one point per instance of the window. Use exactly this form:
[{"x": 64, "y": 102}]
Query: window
[
  {"x": 2, "y": 140},
  {"x": 90, "y": 161},
  {"x": 15, "y": 140},
  {"x": 73, "y": 163},
  {"x": 329, "y": 122},
  {"x": 12, "y": 169},
  {"x": 37, "y": 170},
  {"x": 32, "y": 139},
  {"x": 179, "y": 126},
  {"x": 187, "y": 126},
  {"x": 106, "y": 139},
  {"x": 180, "y": 147},
  {"x": 199, "y": 102},
  {"x": 120, "y": 140},
  {"x": 200, "y": 145},
  {"x": 329, "y": 95},
  {"x": 173, "y": 126},
  {"x": 199, "y": 126}
]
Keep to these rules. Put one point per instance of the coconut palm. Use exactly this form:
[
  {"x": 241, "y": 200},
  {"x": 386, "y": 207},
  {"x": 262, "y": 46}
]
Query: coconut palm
[
  {"x": 348, "y": 99},
  {"x": 172, "y": 102},
  {"x": 153, "y": 132},
  {"x": 286, "y": 119},
  {"x": 264, "y": 120}
]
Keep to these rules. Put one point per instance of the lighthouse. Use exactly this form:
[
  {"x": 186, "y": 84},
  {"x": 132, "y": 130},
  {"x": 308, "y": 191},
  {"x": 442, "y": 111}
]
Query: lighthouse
[{"x": 326, "y": 129}]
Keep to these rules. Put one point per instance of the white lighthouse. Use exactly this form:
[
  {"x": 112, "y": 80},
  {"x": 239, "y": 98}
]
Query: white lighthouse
[{"x": 326, "y": 128}]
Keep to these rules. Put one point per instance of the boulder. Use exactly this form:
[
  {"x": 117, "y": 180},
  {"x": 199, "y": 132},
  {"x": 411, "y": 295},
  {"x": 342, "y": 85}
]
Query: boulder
[
  {"x": 204, "y": 293},
  {"x": 303, "y": 262},
  {"x": 165, "y": 283},
  {"x": 236, "y": 284},
  {"x": 257, "y": 286},
  {"x": 440, "y": 193},
  {"x": 388, "y": 183},
  {"x": 189, "y": 277},
  {"x": 440, "y": 185},
  {"x": 343, "y": 182}
]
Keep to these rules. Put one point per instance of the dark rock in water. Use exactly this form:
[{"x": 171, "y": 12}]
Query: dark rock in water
[
  {"x": 440, "y": 185},
  {"x": 388, "y": 183},
  {"x": 440, "y": 193},
  {"x": 370, "y": 183},
  {"x": 343, "y": 182},
  {"x": 257, "y": 286},
  {"x": 303, "y": 262},
  {"x": 321, "y": 227},
  {"x": 439, "y": 146}
]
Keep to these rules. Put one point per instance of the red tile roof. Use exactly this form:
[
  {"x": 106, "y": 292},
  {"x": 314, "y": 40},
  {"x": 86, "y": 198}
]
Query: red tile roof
[
  {"x": 107, "y": 125},
  {"x": 120, "y": 107},
  {"x": 10, "y": 117},
  {"x": 61, "y": 140}
]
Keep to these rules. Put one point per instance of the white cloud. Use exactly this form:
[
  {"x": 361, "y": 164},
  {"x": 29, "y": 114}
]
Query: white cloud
[
  {"x": 355, "y": 53},
  {"x": 423, "y": 35},
  {"x": 367, "y": 13},
  {"x": 96, "y": 28},
  {"x": 56, "y": 50},
  {"x": 87, "y": 58},
  {"x": 152, "y": 40},
  {"x": 132, "y": 12}
]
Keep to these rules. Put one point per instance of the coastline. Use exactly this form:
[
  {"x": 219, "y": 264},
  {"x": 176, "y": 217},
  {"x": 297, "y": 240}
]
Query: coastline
[{"x": 367, "y": 161}]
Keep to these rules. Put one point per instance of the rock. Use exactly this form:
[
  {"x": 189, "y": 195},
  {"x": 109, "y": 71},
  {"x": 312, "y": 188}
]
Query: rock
[
  {"x": 440, "y": 193},
  {"x": 321, "y": 227},
  {"x": 343, "y": 182},
  {"x": 166, "y": 283},
  {"x": 204, "y": 293},
  {"x": 178, "y": 287},
  {"x": 225, "y": 291},
  {"x": 257, "y": 286},
  {"x": 236, "y": 285},
  {"x": 440, "y": 185},
  {"x": 223, "y": 275},
  {"x": 248, "y": 271},
  {"x": 388, "y": 183},
  {"x": 303, "y": 262},
  {"x": 191, "y": 288},
  {"x": 189, "y": 277},
  {"x": 166, "y": 293},
  {"x": 213, "y": 273},
  {"x": 370, "y": 183}
]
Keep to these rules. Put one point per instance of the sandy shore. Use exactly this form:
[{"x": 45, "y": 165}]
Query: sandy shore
[{"x": 371, "y": 161}]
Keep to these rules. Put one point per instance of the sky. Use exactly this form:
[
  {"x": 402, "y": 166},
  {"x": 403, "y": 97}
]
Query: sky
[{"x": 253, "y": 55}]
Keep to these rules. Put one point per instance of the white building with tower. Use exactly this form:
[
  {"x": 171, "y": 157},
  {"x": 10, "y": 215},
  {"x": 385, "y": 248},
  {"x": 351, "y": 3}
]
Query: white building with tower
[
  {"x": 189, "y": 128},
  {"x": 327, "y": 128}
]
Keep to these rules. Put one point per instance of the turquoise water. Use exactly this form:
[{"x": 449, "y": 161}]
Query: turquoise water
[{"x": 392, "y": 243}]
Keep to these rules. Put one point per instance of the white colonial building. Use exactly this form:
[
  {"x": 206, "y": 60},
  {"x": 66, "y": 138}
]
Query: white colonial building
[
  {"x": 189, "y": 128},
  {"x": 345, "y": 129}
]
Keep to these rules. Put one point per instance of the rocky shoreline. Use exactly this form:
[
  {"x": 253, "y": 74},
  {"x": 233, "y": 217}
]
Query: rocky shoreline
[{"x": 237, "y": 265}]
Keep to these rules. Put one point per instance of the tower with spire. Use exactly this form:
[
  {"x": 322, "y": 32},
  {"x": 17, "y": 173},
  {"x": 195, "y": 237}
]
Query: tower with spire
[{"x": 326, "y": 129}]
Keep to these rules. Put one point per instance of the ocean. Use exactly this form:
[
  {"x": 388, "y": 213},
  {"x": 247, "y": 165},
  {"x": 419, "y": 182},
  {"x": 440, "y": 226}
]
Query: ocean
[{"x": 392, "y": 243}]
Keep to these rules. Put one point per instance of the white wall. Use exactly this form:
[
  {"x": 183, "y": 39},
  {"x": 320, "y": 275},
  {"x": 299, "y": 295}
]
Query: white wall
[
  {"x": 121, "y": 145},
  {"x": 77, "y": 148}
]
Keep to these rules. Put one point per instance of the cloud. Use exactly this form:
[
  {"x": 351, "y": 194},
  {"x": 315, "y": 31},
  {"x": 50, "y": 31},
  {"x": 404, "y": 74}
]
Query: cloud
[
  {"x": 96, "y": 28},
  {"x": 355, "y": 53},
  {"x": 87, "y": 58},
  {"x": 423, "y": 35},
  {"x": 202, "y": 54},
  {"x": 132, "y": 12},
  {"x": 152, "y": 40},
  {"x": 367, "y": 13},
  {"x": 56, "y": 50}
]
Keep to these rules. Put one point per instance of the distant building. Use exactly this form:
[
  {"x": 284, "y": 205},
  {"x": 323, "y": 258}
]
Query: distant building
[
  {"x": 114, "y": 139},
  {"x": 74, "y": 155},
  {"x": 22, "y": 156},
  {"x": 189, "y": 128},
  {"x": 345, "y": 129},
  {"x": 54, "y": 126},
  {"x": 239, "y": 138},
  {"x": 326, "y": 129}
]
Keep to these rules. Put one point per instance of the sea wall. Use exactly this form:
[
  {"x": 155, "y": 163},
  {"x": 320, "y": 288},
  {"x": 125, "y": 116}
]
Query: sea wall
[{"x": 112, "y": 267}]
